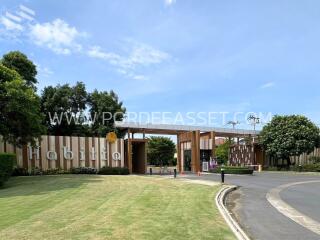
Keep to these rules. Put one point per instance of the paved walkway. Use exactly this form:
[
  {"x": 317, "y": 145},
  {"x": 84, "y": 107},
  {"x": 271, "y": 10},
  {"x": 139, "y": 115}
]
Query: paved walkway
[{"x": 261, "y": 219}]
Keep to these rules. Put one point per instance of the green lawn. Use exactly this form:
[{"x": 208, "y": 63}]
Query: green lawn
[{"x": 108, "y": 207}]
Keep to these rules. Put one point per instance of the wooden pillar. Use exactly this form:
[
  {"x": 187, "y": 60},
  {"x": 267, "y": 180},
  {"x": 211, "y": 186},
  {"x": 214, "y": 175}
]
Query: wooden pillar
[
  {"x": 213, "y": 144},
  {"x": 195, "y": 151},
  {"x": 179, "y": 160},
  {"x": 129, "y": 152}
]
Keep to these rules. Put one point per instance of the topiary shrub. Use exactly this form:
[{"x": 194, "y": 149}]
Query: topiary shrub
[
  {"x": 7, "y": 162},
  {"x": 233, "y": 170},
  {"x": 113, "y": 171}
]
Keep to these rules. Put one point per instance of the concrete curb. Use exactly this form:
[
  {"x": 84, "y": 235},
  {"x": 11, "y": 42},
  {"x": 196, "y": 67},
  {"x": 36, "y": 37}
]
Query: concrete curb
[{"x": 220, "y": 202}]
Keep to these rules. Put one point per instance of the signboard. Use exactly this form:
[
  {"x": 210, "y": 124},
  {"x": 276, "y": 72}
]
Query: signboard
[{"x": 111, "y": 137}]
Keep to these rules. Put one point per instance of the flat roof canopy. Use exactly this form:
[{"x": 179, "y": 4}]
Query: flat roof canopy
[{"x": 176, "y": 129}]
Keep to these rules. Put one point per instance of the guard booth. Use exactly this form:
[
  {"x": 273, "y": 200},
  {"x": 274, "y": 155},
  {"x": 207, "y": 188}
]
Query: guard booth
[{"x": 136, "y": 155}]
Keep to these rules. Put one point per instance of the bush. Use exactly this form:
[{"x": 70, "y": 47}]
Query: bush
[
  {"x": 314, "y": 159},
  {"x": 54, "y": 171},
  {"x": 307, "y": 168},
  {"x": 19, "y": 171},
  {"x": 114, "y": 171},
  {"x": 233, "y": 170},
  {"x": 7, "y": 161},
  {"x": 83, "y": 170}
]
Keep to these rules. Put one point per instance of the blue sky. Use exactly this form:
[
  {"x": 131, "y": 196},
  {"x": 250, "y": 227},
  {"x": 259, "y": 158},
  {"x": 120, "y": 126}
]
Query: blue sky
[{"x": 176, "y": 55}]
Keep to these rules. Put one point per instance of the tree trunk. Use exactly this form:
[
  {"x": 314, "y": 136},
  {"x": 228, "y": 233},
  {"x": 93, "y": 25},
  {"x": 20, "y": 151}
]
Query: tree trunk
[{"x": 288, "y": 162}]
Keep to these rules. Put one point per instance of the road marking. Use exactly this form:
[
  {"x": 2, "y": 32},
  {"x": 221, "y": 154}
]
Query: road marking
[{"x": 273, "y": 196}]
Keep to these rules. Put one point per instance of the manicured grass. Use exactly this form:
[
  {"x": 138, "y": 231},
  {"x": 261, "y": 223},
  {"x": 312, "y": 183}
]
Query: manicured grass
[{"x": 108, "y": 207}]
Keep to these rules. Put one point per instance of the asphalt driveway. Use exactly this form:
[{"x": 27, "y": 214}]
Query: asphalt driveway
[{"x": 258, "y": 217}]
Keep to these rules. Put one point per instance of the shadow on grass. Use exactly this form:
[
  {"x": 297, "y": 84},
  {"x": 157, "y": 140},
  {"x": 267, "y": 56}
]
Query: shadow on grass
[{"x": 38, "y": 185}]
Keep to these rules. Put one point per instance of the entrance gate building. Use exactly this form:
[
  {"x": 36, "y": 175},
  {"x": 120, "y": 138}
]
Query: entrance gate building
[{"x": 194, "y": 143}]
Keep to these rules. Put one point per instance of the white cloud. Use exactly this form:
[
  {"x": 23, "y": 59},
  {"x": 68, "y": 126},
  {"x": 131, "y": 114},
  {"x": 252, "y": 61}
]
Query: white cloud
[
  {"x": 169, "y": 2},
  {"x": 13, "y": 17},
  {"x": 13, "y": 26},
  {"x": 146, "y": 55},
  {"x": 56, "y": 35},
  {"x": 97, "y": 52},
  {"x": 10, "y": 25},
  {"x": 25, "y": 16},
  {"x": 140, "y": 55},
  {"x": 267, "y": 85},
  {"x": 43, "y": 71},
  {"x": 27, "y": 10}
]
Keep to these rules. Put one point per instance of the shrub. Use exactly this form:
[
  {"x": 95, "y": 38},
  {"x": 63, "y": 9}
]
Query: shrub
[
  {"x": 233, "y": 170},
  {"x": 307, "y": 168},
  {"x": 35, "y": 171},
  {"x": 314, "y": 159},
  {"x": 114, "y": 171},
  {"x": 54, "y": 171},
  {"x": 83, "y": 170},
  {"x": 7, "y": 161},
  {"x": 19, "y": 171}
]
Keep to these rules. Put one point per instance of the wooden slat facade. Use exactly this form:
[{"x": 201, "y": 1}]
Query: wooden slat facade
[{"x": 56, "y": 152}]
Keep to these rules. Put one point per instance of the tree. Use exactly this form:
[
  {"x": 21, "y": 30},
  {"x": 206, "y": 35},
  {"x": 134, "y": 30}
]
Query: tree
[
  {"x": 222, "y": 152},
  {"x": 161, "y": 151},
  {"x": 287, "y": 136},
  {"x": 105, "y": 109},
  {"x": 20, "y": 117},
  {"x": 22, "y": 65},
  {"x": 64, "y": 107}
]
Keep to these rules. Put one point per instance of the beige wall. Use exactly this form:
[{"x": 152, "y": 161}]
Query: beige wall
[{"x": 86, "y": 152}]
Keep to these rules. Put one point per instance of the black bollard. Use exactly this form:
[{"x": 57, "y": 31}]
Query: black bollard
[
  {"x": 175, "y": 173},
  {"x": 150, "y": 170},
  {"x": 222, "y": 175}
]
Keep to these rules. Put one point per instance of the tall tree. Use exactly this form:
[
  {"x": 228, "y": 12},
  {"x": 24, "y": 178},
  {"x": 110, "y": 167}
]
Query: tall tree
[
  {"x": 161, "y": 151},
  {"x": 63, "y": 107},
  {"x": 22, "y": 65},
  {"x": 20, "y": 117},
  {"x": 105, "y": 109},
  {"x": 287, "y": 136}
]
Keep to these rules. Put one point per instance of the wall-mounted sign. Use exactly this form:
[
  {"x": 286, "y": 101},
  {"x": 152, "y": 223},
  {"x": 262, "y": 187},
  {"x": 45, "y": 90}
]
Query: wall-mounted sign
[
  {"x": 66, "y": 152},
  {"x": 111, "y": 137},
  {"x": 116, "y": 156}
]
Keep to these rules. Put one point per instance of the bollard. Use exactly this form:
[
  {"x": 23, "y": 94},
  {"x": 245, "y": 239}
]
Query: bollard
[
  {"x": 222, "y": 175},
  {"x": 150, "y": 170},
  {"x": 175, "y": 173}
]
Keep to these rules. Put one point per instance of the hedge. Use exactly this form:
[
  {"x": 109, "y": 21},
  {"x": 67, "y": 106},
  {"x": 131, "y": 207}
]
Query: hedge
[
  {"x": 233, "y": 170},
  {"x": 307, "y": 168},
  {"x": 7, "y": 162},
  {"x": 113, "y": 171},
  {"x": 83, "y": 170}
]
